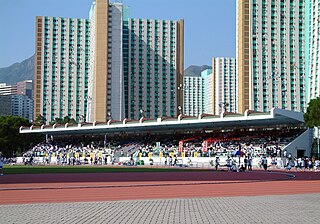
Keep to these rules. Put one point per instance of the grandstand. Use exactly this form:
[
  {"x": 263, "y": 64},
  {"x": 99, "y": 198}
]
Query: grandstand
[{"x": 205, "y": 136}]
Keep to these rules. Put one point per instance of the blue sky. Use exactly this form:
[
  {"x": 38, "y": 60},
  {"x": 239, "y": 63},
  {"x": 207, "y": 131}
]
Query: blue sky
[{"x": 210, "y": 25}]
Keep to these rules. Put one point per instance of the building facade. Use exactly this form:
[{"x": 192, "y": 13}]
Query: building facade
[
  {"x": 271, "y": 55},
  {"x": 209, "y": 94},
  {"x": 225, "y": 85},
  {"x": 61, "y": 68},
  {"x": 25, "y": 88},
  {"x": 7, "y": 89},
  {"x": 16, "y": 100},
  {"x": 22, "y": 106},
  {"x": 5, "y": 105},
  {"x": 155, "y": 68},
  {"x": 194, "y": 95},
  {"x": 137, "y": 65},
  {"x": 106, "y": 82},
  {"x": 313, "y": 48}
]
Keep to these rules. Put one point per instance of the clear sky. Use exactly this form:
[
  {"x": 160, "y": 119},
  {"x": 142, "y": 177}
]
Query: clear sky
[{"x": 210, "y": 25}]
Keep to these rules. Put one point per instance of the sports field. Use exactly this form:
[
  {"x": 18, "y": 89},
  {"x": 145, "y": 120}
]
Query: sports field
[{"x": 89, "y": 169}]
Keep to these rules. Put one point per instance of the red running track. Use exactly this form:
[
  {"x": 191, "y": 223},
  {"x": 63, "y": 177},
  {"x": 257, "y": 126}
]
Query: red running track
[{"x": 44, "y": 188}]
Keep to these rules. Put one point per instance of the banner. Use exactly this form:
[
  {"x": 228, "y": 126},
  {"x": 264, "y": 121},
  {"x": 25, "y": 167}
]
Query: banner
[
  {"x": 180, "y": 146},
  {"x": 205, "y": 146}
]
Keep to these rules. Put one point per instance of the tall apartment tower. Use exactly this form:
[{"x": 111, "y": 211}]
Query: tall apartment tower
[
  {"x": 137, "y": 65},
  {"x": 194, "y": 95},
  {"x": 209, "y": 94},
  {"x": 271, "y": 54},
  {"x": 225, "y": 85},
  {"x": 106, "y": 82},
  {"x": 313, "y": 48},
  {"x": 61, "y": 68},
  {"x": 154, "y": 72}
]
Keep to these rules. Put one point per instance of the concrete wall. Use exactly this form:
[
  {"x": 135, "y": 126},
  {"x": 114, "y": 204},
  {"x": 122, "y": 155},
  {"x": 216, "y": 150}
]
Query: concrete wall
[{"x": 302, "y": 142}]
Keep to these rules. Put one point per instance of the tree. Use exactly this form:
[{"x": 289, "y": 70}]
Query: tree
[
  {"x": 40, "y": 120},
  {"x": 11, "y": 141},
  {"x": 69, "y": 120},
  {"x": 312, "y": 116},
  {"x": 63, "y": 121}
]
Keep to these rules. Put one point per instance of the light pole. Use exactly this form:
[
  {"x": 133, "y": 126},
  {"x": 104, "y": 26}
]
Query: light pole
[
  {"x": 109, "y": 116},
  {"x": 180, "y": 109},
  {"x": 180, "y": 96}
]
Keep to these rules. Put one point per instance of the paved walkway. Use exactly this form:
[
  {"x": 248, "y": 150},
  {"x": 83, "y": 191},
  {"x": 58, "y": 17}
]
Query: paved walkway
[
  {"x": 192, "y": 197},
  {"x": 254, "y": 209}
]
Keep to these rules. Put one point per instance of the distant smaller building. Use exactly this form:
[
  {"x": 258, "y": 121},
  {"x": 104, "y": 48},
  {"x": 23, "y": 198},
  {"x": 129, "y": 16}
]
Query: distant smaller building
[
  {"x": 17, "y": 99},
  {"x": 5, "y": 105},
  {"x": 25, "y": 88},
  {"x": 7, "y": 89},
  {"x": 22, "y": 106},
  {"x": 193, "y": 95}
]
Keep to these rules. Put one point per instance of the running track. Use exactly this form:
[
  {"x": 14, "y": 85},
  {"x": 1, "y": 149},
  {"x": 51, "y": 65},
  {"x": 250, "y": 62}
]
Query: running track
[{"x": 45, "y": 188}]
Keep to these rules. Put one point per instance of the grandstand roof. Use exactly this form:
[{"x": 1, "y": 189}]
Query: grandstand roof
[{"x": 250, "y": 119}]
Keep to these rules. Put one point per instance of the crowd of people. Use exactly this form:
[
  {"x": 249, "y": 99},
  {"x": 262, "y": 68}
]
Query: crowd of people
[{"x": 266, "y": 145}]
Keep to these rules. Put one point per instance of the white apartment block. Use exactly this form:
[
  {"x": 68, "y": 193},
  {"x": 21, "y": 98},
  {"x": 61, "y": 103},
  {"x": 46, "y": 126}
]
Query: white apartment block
[
  {"x": 226, "y": 87},
  {"x": 194, "y": 95}
]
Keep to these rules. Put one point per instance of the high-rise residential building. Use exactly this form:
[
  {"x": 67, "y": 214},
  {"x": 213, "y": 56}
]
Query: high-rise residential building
[
  {"x": 225, "y": 85},
  {"x": 61, "y": 68},
  {"x": 271, "y": 54},
  {"x": 209, "y": 94},
  {"x": 22, "y": 106},
  {"x": 25, "y": 88},
  {"x": 106, "y": 81},
  {"x": 109, "y": 66},
  {"x": 7, "y": 89},
  {"x": 137, "y": 65},
  {"x": 155, "y": 68},
  {"x": 199, "y": 94},
  {"x": 312, "y": 48},
  {"x": 194, "y": 95}
]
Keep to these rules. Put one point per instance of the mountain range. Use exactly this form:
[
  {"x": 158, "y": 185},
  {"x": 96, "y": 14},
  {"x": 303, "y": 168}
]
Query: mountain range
[
  {"x": 18, "y": 72},
  {"x": 25, "y": 71}
]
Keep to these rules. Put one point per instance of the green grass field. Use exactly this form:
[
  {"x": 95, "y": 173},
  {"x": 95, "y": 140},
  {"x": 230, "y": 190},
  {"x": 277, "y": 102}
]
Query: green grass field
[{"x": 86, "y": 169}]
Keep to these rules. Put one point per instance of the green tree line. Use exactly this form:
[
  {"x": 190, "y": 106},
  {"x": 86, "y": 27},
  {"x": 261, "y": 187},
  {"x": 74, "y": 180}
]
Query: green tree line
[{"x": 13, "y": 143}]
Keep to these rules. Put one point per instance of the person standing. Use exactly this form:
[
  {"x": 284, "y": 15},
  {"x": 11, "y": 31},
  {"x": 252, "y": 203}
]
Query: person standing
[
  {"x": 217, "y": 163},
  {"x": 228, "y": 163},
  {"x": 245, "y": 162},
  {"x": 250, "y": 163},
  {"x": 1, "y": 167},
  {"x": 265, "y": 163}
]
